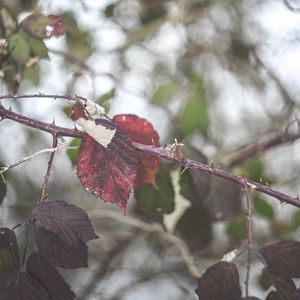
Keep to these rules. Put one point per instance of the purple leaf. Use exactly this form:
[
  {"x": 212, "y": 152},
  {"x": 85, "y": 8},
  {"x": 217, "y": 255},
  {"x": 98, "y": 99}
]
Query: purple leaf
[
  {"x": 9, "y": 252},
  {"x": 59, "y": 253},
  {"x": 108, "y": 172},
  {"x": 284, "y": 285},
  {"x": 219, "y": 282},
  {"x": 41, "y": 26},
  {"x": 41, "y": 269},
  {"x": 283, "y": 256},
  {"x": 69, "y": 222},
  {"x": 19, "y": 285}
]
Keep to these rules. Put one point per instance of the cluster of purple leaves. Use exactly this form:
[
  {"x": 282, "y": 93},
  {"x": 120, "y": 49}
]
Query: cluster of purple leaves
[{"x": 61, "y": 233}]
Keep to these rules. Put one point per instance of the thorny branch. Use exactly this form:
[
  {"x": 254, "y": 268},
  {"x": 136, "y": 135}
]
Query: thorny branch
[{"x": 162, "y": 152}]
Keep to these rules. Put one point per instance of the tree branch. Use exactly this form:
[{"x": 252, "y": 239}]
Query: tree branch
[
  {"x": 165, "y": 152},
  {"x": 251, "y": 151}
]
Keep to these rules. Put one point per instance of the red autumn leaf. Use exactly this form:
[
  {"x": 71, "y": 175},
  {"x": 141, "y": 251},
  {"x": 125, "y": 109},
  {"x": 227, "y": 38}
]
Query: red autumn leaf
[
  {"x": 41, "y": 26},
  {"x": 141, "y": 131},
  {"x": 108, "y": 171}
]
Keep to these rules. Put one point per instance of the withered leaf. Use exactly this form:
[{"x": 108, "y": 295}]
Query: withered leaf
[
  {"x": 141, "y": 131},
  {"x": 9, "y": 252},
  {"x": 58, "y": 252},
  {"x": 19, "y": 285},
  {"x": 41, "y": 269},
  {"x": 70, "y": 223},
  {"x": 219, "y": 282},
  {"x": 108, "y": 172},
  {"x": 41, "y": 26}
]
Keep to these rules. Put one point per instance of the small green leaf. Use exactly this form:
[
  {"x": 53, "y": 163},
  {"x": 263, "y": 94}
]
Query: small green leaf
[
  {"x": 164, "y": 92},
  {"x": 155, "y": 202},
  {"x": 19, "y": 47},
  {"x": 264, "y": 281},
  {"x": 38, "y": 47},
  {"x": 195, "y": 227},
  {"x": 254, "y": 169},
  {"x": 2, "y": 188},
  {"x": 295, "y": 220},
  {"x": 262, "y": 207},
  {"x": 103, "y": 101},
  {"x": 195, "y": 113},
  {"x": 237, "y": 228},
  {"x": 73, "y": 153}
]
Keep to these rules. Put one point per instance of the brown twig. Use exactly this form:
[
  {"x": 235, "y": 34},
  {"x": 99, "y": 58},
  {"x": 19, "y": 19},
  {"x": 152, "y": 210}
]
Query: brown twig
[
  {"x": 161, "y": 152},
  {"x": 66, "y": 97},
  {"x": 258, "y": 149},
  {"x": 48, "y": 172}
]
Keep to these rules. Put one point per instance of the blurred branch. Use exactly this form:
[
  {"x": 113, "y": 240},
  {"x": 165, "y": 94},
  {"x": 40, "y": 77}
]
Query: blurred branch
[
  {"x": 165, "y": 152},
  {"x": 256, "y": 149},
  {"x": 104, "y": 268},
  {"x": 150, "y": 228},
  {"x": 290, "y": 6}
]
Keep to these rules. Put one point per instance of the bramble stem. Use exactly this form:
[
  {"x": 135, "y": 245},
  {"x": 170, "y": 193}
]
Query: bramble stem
[{"x": 161, "y": 152}]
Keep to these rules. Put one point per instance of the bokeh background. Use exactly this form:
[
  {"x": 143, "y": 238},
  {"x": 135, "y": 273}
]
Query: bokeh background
[{"x": 217, "y": 75}]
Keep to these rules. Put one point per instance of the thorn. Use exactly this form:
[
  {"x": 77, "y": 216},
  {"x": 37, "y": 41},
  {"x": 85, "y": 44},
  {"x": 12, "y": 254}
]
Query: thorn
[
  {"x": 185, "y": 168},
  {"x": 53, "y": 122}
]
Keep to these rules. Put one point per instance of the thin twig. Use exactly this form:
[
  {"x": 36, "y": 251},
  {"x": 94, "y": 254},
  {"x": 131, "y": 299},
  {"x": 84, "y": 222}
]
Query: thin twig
[
  {"x": 150, "y": 228},
  {"x": 29, "y": 157},
  {"x": 161, "y": 152},
  {"x": 250, "y": 238},
  {"x": 66, "y": 97},
  {"x": 48, "y": 172},
  {"x": 26, "y": 158}
]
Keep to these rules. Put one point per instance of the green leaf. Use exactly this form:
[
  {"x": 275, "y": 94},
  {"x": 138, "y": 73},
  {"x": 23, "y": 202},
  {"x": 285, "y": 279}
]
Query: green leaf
[
  {"x": 103, "y": 101},
  {"x": 78, "y": 40},
  {"x": 237, "y": 228},
  {"x": 195, "y": 228},
  {"x": 155, "y": 202},
  {"x": 164, "y": 92},
  {"x": 262, "y": 207},
  {"x": 19, "y": 47},
  {"x": 295, "y": 220},
  {"x": 254, "y": 169},
  {"x": 38, "y": 47},
  {"x": 2, "y": 188},
  {"x": 195, "y": 113},
  {"x": 73, "y": 153},
  {"x": 32, "y": 74}
]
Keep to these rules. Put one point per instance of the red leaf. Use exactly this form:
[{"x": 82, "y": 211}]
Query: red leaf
[
  {"x": 41, "y": 26},
  {"x": 41, "y": 269},
  {"x": 58, "y": 252},
  {"x": 9, "y": 252},
  {"x": 20, "y": 285},
  {"x": 108, "y": 172},
  {"x": 69, "y": 222},
  {"x": 141, "y": 131}
]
